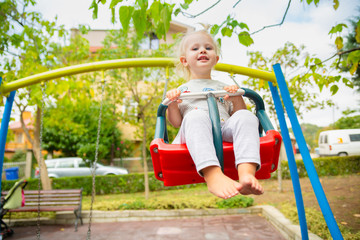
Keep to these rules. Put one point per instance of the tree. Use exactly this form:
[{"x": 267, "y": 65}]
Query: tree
[
  {"x": 29, "y": 45},
  {"x": 71, "y": 127},
  {"x": 25, "y": 49},
  {"x": 155, "y": 17},
  {"x": 311, "y": 135},
  {"x": 300, "y": 83},
  {"x": 348, "y": 63},
  {"x": 350, "y": 120},
  {"x": 138, "y": 89}
]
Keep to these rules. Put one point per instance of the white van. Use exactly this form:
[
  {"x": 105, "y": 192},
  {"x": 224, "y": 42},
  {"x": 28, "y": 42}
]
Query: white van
[{"x": 343, "y": 142}]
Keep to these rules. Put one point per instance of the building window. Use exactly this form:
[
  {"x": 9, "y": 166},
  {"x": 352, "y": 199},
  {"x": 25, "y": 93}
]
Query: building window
[
  {"x": 19, "y": 138},
  {"x": 130, "y": 107},
  {"x": 151, "y": 41}
]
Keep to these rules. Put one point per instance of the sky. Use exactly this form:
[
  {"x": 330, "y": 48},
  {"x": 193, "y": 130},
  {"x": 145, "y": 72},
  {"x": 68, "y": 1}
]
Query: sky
[{"x": 303, "y": 25}]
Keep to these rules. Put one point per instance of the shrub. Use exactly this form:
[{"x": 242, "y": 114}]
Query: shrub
[
  {"x": 236, "y": 202},
  {"x": 19, "y": 156},
  {"x": 325, "y": 166},
  {"x": 109, "y": 184}
]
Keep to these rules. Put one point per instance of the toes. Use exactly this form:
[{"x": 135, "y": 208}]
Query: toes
[{"x": 250, "y": 185}]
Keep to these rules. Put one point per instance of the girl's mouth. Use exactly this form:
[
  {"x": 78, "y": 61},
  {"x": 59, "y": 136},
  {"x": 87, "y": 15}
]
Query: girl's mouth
[{"x": 203, "y": 58}]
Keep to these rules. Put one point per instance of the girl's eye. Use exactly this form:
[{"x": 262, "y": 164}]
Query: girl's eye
[
  {"x": 195, "y": 48},
  {"x": 208, "y": 48}
]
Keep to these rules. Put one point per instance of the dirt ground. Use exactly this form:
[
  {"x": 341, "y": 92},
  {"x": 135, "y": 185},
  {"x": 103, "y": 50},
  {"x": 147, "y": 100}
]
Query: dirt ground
[{"x": 342, "y": 193}]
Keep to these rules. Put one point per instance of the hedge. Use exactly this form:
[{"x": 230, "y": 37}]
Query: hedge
[
  {"x": 109, "y": 184},
  {"x": 325, "y": 166},
  {"x": 130, "y": 183}
]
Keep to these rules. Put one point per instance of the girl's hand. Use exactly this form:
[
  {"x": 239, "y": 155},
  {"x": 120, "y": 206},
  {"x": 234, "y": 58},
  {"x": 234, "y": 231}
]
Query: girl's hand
[
  {"x": 173, "y": 95},
  {"x": 230, "y": 89}
]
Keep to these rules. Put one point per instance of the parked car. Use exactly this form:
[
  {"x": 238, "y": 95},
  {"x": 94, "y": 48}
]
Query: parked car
[
  {"x": 297, "y": 150},
  {"x": 75, "y": 166},
  {"x": 343, "y": 142}
]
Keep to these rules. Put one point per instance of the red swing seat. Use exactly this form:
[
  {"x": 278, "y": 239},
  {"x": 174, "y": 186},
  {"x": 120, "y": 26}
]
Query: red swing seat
[{"x": 174, "y": 166}]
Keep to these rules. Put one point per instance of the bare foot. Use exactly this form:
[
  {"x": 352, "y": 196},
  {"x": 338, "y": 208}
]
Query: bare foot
[
  {"x": 219, "y": 184},
  {"x": 249, "y": 184}
]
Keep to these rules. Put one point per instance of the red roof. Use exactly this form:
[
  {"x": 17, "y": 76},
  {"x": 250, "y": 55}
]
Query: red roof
[
  {"x": 94, "y": 49},
  {"x": 17, "y": 125}
]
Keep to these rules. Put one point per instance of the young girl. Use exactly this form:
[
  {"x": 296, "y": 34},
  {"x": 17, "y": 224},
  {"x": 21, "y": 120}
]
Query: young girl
[{"x": 198, "y": 55}]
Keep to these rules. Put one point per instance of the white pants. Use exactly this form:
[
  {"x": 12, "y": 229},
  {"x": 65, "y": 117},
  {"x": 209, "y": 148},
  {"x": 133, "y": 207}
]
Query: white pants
[{"x": 241, "y": 129}]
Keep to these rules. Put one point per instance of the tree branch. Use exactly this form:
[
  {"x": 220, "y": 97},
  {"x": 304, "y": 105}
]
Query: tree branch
[
  {"x": 23, "y": 125},
  {"x": 202, "y": 12},
  {"x": 337, "y": 54},
  {"x": 236, "y": 3},
  {"x": 11, "y": 53},
  {"x": 274, "y": 25}
]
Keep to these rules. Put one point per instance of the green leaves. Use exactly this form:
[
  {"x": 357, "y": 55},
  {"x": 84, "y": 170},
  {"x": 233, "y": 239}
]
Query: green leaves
[
  {"x": 357, "y": 32},
  {"x": 226, "y": 32},
  {"x": 334, "y": 89},
  {"x": 114, "y": 3},
  {"x": 95, "y": 9},
  {"x": 139, "y": 20},
  {"x": 337, "y": 29},
  {"x": 143, "y": 18},
  {"x": 353, "y": 60},
  {"x": 245, "y": 39},
  {"x": 339, "y": 43},
  {"x": 316, "y": 2},
  {"x": 125, "y": 14},
  {"x": 230, "y": 26}
]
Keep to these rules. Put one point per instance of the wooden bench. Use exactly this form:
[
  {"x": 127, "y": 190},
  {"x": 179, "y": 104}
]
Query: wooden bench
[{"x": 52, "y": 201}]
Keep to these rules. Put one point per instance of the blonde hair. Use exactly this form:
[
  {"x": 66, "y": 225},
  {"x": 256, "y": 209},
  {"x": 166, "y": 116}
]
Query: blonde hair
[{"x": 181, "y": 51}]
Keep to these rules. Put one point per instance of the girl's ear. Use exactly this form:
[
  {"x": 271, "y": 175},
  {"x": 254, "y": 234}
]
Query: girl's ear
[
  {"x": 217, "y": 58},
  {"x": 183, "y": 61}
]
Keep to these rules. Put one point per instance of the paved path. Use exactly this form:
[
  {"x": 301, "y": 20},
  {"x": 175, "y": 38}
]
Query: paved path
[{"x": 243, "y": 227}]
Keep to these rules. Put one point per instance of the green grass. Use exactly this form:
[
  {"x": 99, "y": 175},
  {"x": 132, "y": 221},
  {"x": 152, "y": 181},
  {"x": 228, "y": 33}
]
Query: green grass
[{"x": 194, "y": 198}]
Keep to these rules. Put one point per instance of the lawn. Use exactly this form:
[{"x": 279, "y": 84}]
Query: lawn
[{"x": 342, "y": 192}]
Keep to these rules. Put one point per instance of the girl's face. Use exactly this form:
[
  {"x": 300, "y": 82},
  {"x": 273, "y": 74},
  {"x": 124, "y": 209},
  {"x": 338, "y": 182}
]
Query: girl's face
[{"x": 200, "y": 55}]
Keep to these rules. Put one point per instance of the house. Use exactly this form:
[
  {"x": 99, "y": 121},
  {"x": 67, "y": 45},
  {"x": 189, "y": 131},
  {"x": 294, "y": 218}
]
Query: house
[
  {"x": 97, "y": 36},
  {"x": 20, "y": 141}
]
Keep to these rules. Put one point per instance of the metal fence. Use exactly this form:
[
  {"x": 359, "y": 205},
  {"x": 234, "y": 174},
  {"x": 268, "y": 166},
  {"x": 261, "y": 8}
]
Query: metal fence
[{"x": 21, "y": 166}]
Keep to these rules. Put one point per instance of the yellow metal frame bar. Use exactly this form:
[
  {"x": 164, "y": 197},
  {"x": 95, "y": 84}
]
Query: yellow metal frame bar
[{"x": 124, "y": 63}]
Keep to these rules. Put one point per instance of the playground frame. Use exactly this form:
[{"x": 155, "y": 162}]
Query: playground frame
[{"x": 275, "y": 79}]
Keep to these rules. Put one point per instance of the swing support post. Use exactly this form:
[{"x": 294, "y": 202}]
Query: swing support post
[
  {"x": 291, "y": 161},
  {"x": 309, "y": 165},
  {"x": 4, "y": 127}
]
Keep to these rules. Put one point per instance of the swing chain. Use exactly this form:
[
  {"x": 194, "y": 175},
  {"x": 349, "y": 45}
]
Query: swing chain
[
  {"x": 233, "y": 78},
  {"x": 43, "y": 90},
  {"x": 167, "y": 78},
  {"x": 93, "y": 171}
]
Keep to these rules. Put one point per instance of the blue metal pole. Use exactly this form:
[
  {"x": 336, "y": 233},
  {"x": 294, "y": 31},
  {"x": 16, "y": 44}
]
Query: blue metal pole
[
  {"x": 4, "y": 128},
  {"x": 309, "y": 165},
  {"x": 291, "y": 161}
]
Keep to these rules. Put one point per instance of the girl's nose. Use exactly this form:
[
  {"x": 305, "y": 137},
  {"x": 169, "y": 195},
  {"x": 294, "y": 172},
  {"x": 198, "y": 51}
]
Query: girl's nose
[{"x": 203, "y": 50}]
